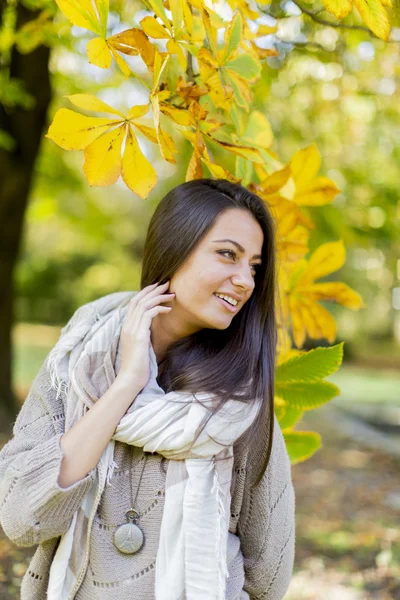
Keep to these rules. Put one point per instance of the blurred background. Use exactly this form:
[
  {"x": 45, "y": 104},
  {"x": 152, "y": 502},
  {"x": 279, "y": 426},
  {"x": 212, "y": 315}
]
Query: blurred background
[{"x": 340, "y": 90}]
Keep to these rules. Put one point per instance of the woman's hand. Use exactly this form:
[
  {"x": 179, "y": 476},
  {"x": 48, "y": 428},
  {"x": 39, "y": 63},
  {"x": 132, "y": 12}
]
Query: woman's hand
[{"x": 135, "y": 332}]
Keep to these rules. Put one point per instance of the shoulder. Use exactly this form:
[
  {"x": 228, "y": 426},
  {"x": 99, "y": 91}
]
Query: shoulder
[{"x": 98, "y": 308}]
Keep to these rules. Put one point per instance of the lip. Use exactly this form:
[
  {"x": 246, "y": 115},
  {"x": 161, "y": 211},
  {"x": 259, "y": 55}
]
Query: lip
[
  {"x": 227, "y": 306},
  {"x": 232, "y": 295}
]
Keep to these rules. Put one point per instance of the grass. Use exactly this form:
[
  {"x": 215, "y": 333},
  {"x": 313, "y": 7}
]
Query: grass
[{"x": 365, "y": 384}]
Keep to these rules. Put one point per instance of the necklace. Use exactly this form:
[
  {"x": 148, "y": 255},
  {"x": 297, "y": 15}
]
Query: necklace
[{"x": 128, "y": 538}]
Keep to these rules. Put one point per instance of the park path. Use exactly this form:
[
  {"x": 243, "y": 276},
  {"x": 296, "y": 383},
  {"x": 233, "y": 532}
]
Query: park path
[{"x": 347, "y": 513}]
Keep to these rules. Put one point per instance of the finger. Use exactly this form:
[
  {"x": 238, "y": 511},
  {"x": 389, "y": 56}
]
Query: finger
[
  {"x": 139, "y": 298},
  {"x": 134, "y": 321},
  {"x": 141, "y": 293}
]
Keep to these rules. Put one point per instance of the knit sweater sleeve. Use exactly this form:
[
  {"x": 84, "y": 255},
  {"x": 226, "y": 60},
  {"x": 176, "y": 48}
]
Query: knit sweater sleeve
[
  {"x": 266, "y": 527},
  {"x": 33, "y": 506}
]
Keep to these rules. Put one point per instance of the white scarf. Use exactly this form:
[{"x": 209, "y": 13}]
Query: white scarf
[{"x": 195, "y": 519}]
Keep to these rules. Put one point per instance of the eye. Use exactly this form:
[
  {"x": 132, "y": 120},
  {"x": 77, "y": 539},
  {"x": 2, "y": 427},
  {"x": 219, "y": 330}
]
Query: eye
[{"x": 233, "y": 254}]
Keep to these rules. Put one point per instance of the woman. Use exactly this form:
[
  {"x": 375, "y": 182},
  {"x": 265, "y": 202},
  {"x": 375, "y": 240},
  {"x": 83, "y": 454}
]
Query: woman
[{"x": 203, "y": 320}]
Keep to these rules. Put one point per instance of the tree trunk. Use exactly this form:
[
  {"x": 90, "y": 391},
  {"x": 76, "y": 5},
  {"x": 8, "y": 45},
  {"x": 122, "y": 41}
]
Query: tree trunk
[{"x": 16, "y": 170}]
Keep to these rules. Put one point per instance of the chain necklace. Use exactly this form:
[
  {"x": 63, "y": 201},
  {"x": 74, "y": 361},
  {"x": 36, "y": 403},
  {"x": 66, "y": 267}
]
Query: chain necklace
[{"x": 128, "y": 538}]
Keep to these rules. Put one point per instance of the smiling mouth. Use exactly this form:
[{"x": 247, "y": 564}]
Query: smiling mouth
[{"x": 226, "y": 304}]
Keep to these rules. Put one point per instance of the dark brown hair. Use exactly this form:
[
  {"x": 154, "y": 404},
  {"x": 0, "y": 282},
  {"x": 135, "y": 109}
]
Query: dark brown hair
[{"x": 241, "y": 358}]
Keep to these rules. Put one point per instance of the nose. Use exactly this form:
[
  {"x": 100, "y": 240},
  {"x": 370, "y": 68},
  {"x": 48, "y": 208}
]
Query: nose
[{"x": 243, "y": 278}]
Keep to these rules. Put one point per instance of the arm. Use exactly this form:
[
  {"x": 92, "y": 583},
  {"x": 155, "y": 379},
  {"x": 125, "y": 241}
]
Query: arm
[
  {"x": 44, "y": 472},
  {"x": 266, "y": 527},
  {"x": 33, "y": 506}
]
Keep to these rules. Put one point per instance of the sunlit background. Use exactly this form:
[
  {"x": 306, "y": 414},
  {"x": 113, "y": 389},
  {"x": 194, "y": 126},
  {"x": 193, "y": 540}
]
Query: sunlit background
[{"x": 339, "y": 89}]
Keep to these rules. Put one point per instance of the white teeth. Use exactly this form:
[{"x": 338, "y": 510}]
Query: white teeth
[{"x": 228, "y": 299}]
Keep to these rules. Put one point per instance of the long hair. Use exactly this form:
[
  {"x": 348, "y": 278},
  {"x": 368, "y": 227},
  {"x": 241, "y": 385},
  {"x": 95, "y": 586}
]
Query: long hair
[{"x": 241, "y": 358}]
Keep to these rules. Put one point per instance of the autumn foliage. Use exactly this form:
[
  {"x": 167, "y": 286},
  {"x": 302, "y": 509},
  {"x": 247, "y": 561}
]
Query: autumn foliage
[{"x": 203, "y": 88}]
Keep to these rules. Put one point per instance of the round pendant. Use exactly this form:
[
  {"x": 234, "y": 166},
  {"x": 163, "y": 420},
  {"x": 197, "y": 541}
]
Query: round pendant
[{"x": 128, "y": 538}]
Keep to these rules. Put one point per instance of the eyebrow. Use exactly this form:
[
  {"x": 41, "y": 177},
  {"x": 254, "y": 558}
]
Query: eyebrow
[{"x": 239, "y": 246}]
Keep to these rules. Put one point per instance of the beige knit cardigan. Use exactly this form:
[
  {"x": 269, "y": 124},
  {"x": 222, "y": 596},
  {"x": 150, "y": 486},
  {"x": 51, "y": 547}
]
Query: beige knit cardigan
[{"x": 35, "y": 510}]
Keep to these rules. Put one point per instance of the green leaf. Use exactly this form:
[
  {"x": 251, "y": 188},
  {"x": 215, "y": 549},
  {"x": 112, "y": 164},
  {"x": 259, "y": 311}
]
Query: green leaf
[
  {"x": 244, "y": 170},
  {"x": 102, "y": 9},
  {"x": 311, "y": 366},
  {"x": 245, "y": 65},
  {"x": 258, "y": 130},
  {"x": 306, "y": 395},
  {"x": 233, "y": 35},
  {"x": 237, "y": 92},
  {"x": 7, "y": 142},
  {"x": 158, "y": 8},
  {"x": 237, "y": 118},
  {"x": 290, "y": 418},
  {"x": 301, "y": 445}
]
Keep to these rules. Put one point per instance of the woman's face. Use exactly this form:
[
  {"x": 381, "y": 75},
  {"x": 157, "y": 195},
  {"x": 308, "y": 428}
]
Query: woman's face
[{"x": 216, "y": 266}]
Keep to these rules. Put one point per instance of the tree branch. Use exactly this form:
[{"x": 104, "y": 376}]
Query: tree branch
[{"x": 313, "y": 14}]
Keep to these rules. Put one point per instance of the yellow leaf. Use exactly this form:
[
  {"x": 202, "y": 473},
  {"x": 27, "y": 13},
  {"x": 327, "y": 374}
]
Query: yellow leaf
[
  {"x": 339, "y": 8},
  {"x": 305, "y": 164},
  {"x": 250, "y": 153},
  {"x": 103, "y": 158},
  {"x": 73, "y": 131},
  {"x": 374, "y": 16},
  {"x": 276, "y": 180},
  {"x": 174, "y": 48},
  {"x": 132, "y": 42},
  {"x": 137, "y": 172},
  {"x": 333, "y": 291},
  {"x": 154, "y": 29},
  {"x": 155, "y": 104},
  {"x": 319, "y": 192},
  {"x": 138, "y": 111},
  {"x": 99, "y": 53},
  {"x": 181, "y": 57},
  {"x": 315, "y": 323},
  {"x": 245, "y": 10},
  {"x": 125, "y": 68},
  {"x": 149, "y": 132},
  {"x": 176, "y": 9},
  {"x": 219, "y": 172},
  {"x": 90, "y": 102},
  {"x": 190, "y": 136},
  {"x": 167, "y": 146},
  {"x": 326, "y": 259},
  {"x": 241, "y": 90},
  {"x": 318, "y": 322},
  {"x": 191, "y": 23},
  {"x": 194, "y": 170},
  {"x": 159, "y": 10},
  {"x": 180, "y": 116},
  {"x": 266, "y": 30},
  {"x": 264, "y": 52},
  {"x": 159, "y": 65},
  {"x": 80, "y": 13},
  {"x": 124, "y": 49},
  {"x": 298, "y": 328},
  {"x": 205, "y": 55},
  {"x": 211, "y": 31},
  {"x": 258, "y": 130},
  {"x": 197, "y": 4}
]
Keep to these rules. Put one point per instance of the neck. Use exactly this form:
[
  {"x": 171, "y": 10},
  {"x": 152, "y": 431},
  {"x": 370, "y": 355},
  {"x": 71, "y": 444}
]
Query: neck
[{"x": 164, "y": 332}]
